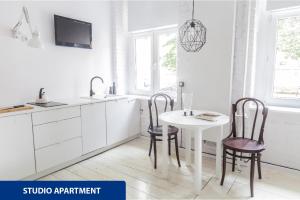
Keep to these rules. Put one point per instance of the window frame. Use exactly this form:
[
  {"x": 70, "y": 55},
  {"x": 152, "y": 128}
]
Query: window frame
[
  {"x": 155, "y": 68},
  {"x": 271, "y": 59},
  {"x": 142, "y": 35}
]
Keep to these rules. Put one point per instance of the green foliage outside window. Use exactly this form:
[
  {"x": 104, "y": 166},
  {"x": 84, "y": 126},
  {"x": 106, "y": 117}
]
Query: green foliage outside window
[
  {"x": 169, "y": 59},
  {"x": 288, "y": 37}
]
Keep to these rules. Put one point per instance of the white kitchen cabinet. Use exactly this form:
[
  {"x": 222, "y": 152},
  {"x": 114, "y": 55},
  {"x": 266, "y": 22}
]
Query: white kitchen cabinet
[
  {"x": 122, "y": 119},
  {"x": 55, "y": 115},
  {"x": 57, "y": 135},
  {"x": 57, "y": 154},
  {"x": 93, "y": 127},
  {"x": 133, "y": 111},
  {"x": 56, "y": 132},
  {"x": 16, "y": 147}
]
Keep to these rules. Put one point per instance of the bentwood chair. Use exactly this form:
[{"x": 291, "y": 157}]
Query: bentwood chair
[
  {"x": 244, "y": 144},
  {"x": 155, "y": 129}
]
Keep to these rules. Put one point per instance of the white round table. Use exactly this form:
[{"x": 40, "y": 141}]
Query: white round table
[{"x": 177, "y": 119}]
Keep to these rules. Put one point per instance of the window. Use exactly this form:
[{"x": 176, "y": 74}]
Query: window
[
  {"x": 284, "y": 84},
  {"x": 154, "y": 60},
  {"x": 143, "y": 62},
  {"x": 287, "y": 64}
]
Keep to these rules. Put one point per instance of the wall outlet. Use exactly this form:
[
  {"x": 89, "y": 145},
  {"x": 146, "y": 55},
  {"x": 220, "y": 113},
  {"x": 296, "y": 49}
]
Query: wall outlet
[{"x": 181, "y": 84}]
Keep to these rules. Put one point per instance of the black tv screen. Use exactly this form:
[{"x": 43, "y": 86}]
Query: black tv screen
[{"x": 72, "y": 33}]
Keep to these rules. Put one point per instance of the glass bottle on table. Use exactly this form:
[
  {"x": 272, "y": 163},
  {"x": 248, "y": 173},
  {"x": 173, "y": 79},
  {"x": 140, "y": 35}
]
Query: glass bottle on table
[{"x": 187, "y": 101}]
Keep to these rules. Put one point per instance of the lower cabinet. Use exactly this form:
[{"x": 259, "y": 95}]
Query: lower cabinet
[
  {"x": 58, "y": 140},
  {"x": 16, "y": 147},
  {"x": 57, "y": 154},
  {"x": 32, "y": 143},
  {"x": 93, "y": 127},
  {"x": 56, "y": 132},
  {"x": 133, "y": 113},
  {"x": 122, "y": 119}
]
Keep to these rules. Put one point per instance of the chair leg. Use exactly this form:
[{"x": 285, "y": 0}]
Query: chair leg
[
  {"x": 169, "y": 145},
  {"x": 233, "y": 161},
  {"x": 150, "y": 149},
  {"x": 177, "y": 151},
  {"x": 252, "y": 173},
  {"x": 155, "y": 155},
  {"x": 258, "y": 165},
  {"x": 224, "y": 166}
]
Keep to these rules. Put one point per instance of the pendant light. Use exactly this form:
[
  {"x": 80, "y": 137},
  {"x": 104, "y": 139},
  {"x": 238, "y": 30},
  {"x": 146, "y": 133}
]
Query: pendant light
[{"x": 192, "y": 34}]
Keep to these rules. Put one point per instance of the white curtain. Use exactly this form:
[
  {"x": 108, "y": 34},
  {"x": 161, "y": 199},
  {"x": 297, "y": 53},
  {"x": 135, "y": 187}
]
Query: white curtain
[{"x": 248, "y": 20}]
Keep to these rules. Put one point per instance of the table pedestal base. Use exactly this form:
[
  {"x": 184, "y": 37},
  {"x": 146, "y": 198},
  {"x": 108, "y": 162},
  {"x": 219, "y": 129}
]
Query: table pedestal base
[
  {"x": 188, "y": 141},
  {"x": 198, "y": 161}
]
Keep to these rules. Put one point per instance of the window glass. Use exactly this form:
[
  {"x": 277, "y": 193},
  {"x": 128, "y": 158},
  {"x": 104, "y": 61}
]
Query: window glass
[
  {"x": 143, "y": 62},
  {"x": 287, "y": 67},
  {"x": 167, "y": 53}
]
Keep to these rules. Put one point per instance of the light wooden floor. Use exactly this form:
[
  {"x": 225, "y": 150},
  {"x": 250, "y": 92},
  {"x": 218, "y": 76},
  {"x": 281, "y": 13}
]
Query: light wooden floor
[{"x": 131, "y": 163}]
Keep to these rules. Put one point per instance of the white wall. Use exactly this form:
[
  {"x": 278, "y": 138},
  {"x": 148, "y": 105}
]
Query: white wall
[
  {"x": 282, "y": 125},
  {"x": 282, "y": 137},
  {"x": 120, "y": 70},
  {"x": 281, "y": 4},
  {"x": 147, "y": 14},
  {"x": 64, "y": 72},
  {"x": 210, "y": 69},
  {"x": 208, "y": 73}
]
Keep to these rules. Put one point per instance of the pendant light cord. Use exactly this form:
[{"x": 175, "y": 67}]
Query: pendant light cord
[{"x": 193, "y": 9}]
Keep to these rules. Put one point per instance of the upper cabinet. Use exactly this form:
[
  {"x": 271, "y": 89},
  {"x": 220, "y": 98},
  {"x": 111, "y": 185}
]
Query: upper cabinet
[
  {"x": 16, "y": 147},
  {"x": 122, "y": 119},
  {"x": 93, "y": 127}
]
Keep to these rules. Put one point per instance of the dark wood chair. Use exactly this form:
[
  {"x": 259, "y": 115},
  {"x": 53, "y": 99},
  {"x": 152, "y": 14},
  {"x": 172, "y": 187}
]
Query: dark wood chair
[
  {"x": 155, "y": 129},
  {"x": 243, "y": 144}
]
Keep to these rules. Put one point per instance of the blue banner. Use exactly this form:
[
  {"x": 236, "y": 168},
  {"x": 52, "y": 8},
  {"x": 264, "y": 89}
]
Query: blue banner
[{"x": 62, "y": 190}]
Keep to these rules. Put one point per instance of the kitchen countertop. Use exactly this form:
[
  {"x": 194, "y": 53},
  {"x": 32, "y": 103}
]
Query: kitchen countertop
[{"x": 70, "y": 103}]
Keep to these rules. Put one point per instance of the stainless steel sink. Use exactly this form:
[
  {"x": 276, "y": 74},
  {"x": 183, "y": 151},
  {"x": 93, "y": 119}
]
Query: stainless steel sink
[
  {"x": 101, "y": 97},
  {"x": 48, "y": 104}
]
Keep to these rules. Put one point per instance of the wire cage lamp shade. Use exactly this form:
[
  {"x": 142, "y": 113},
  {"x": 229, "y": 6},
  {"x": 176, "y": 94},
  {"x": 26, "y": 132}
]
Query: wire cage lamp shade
[{"x": 192, "y": 34}]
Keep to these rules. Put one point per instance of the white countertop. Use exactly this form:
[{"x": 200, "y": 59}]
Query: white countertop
[{"x": 70, "y": 103}]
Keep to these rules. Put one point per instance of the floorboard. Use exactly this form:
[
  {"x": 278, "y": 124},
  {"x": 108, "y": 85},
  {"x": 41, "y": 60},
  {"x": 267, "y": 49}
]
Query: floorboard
[{"x": 130, "y": 162}]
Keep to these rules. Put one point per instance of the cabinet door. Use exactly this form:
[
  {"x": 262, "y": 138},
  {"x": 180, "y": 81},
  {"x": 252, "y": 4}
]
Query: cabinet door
[
  {"x": 16, "y": 147},
  {"x": 117, "y": 120},
  {"x": 133, "y": 111},
  {"x": 93, "y": 127},
  {"x": 57, "y": 154},
  {"x": 56, "y": 132}
]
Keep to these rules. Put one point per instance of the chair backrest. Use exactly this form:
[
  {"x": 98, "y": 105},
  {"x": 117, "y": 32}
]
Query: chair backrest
[
  {"x": 164, "y": 100},
  {"x": 257, "y": 106}
]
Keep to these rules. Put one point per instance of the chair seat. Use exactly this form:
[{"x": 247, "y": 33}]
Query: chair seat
[
  {"x": 243, "y": 145},
  {"x": 157, "y": 130}
]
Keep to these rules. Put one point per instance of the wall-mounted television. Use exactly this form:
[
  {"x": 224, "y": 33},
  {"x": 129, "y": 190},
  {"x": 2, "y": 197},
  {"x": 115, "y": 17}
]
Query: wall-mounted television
[{"x": 72, "y": 33}]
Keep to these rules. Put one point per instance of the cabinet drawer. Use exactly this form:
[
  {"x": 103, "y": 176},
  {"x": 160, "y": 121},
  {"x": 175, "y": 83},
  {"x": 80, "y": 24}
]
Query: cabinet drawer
[
  {"x": 57, "y": 154},
  {"x": 55, "y": 115},
  {"x": 56, "y": 132}
]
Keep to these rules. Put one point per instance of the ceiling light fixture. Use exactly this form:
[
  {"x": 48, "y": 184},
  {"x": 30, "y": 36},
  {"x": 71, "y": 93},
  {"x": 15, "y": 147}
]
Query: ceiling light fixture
[{"x": 192, "y": 34}]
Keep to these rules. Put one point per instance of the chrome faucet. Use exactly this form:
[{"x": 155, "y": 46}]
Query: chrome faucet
[{"x": 91, "y": 85}]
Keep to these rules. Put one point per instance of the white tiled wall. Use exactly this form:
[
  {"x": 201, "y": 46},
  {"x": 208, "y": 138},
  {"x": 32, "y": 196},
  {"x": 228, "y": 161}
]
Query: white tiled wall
[{"x": 120, "y": 45}]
